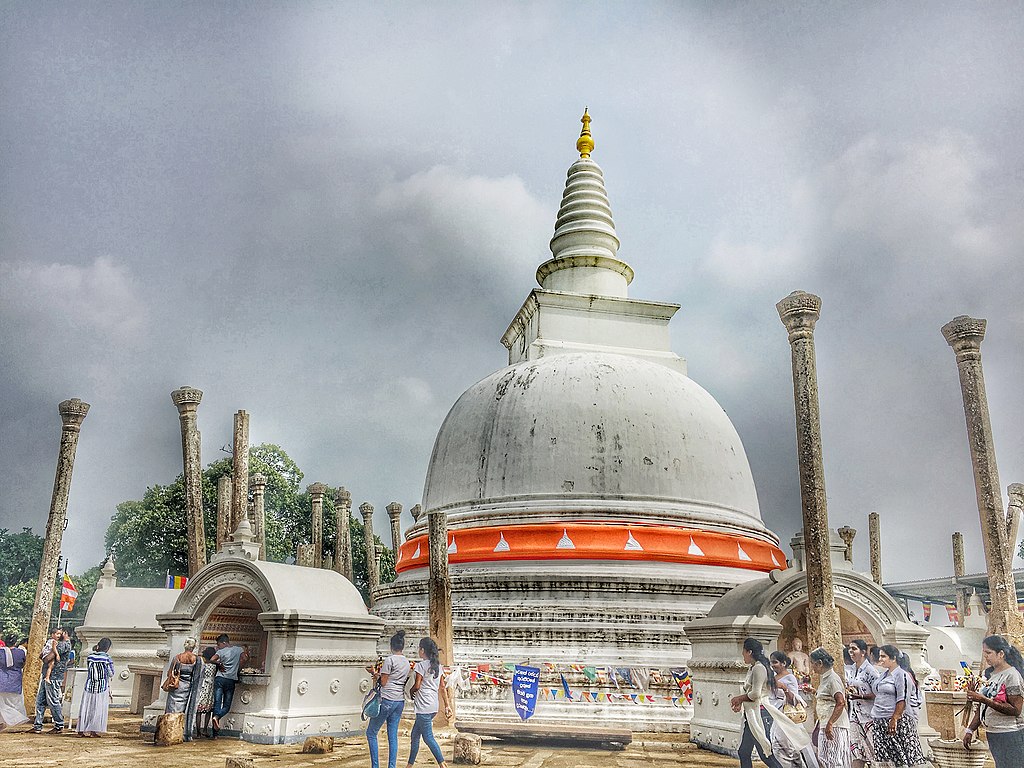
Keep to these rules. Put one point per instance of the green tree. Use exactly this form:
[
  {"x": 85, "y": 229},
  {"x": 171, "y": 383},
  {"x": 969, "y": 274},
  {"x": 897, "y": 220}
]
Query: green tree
[
  {"x": 20, "y": 554},
  {"x": 16, "y": 604}
]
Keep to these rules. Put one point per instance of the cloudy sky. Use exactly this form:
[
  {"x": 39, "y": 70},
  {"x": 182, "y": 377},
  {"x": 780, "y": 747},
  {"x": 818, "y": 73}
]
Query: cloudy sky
[{"x": 327, "y": 213}]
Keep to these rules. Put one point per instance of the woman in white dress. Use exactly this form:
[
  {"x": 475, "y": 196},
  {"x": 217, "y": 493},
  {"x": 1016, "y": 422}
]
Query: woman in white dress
[{"x": 92, "y": 717}]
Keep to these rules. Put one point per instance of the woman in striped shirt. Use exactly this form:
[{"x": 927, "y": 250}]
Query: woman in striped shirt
[{"x": 92, "y": 717}]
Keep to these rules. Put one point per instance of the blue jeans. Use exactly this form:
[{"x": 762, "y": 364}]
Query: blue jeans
[
  {"x": 223, "y": 695},
  {"x": 50, "y": 695},
  {"x": 390, "y": 713},
  {"x": 424, "y": 727}
]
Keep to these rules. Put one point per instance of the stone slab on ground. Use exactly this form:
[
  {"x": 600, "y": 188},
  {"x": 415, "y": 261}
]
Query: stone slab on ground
[
  {"x": 467, "y": 749},
  {"x": 239, "y": 762},
  {"x": 318, "y": 745},
  {"x": 580, "y": 736},
  {"x": 170, "y": 730}
]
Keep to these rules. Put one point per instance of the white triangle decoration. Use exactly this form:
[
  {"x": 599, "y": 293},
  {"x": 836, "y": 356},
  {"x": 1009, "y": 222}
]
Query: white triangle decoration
[
  {"x": 452, "y": 548},
  {"x": 743, "y": 555},
  {"x": 399, "y": 556},
  {"x": 694, "y": 549},
  {"x": 632, "y": 544},
  {"x": 502, "y": 544},
  {"x": 777, "y": 563},
  {"x": 565, "y": 542},
  {"x": 417, "y": 552}
]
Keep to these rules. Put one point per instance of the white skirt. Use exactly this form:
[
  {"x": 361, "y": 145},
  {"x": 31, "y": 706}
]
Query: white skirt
[
  {"x": 12, "y": 709},
  {"x": 92, "y": 717}
]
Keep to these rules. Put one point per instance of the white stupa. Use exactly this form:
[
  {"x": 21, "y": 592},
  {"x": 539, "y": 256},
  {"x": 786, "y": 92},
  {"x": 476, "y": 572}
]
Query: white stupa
[{"x": 597, "y": 497}]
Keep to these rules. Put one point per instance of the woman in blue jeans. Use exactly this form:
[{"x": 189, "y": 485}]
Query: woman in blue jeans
[
  {"x": 429, "y": 685},
  {"x": 392, "y": 675}
]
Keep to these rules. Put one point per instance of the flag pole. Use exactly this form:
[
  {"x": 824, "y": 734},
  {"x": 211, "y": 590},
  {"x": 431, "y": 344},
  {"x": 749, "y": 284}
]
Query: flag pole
[{"x": 60, "y": 599}]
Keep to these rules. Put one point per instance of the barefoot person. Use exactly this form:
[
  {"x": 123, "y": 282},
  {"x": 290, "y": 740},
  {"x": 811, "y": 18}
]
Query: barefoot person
[
  {"x": 12, "y": 703},
  {"x": 832, "y": 722},
  {"x": 92, "y": 717},
  {"x": 1002, "y": 702},
  {"x": 391, "y": 676},
  {"x": 428, "y": 694}
]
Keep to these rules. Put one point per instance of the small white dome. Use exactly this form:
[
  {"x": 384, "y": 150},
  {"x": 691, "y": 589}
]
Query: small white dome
[{"x": 592, "y": 436}]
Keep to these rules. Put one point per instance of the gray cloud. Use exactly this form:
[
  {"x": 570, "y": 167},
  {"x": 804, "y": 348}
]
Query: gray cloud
[{"x": 327, "y": 215}]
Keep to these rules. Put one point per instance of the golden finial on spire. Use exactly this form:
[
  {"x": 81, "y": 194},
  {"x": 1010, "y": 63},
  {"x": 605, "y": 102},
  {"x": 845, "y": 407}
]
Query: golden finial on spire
[{"x": 585, "y": 143}]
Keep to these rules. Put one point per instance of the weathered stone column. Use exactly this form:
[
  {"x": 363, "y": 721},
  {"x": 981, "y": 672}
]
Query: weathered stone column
[
  {"x": 964, "y": 335},
  {"x": 72, "y": 414},
  {"x": 316, "y": 497},
  {"x": 259, "y": 512},
  {"x": 240, "y": 470},
  {"x": 304, "y": 555},
  {"x": 369, "y": 545},
  {"x": 187, "y": 400},
  {"x": 875, "y": 542},
  {"x": 343, "y": 534},
  {"x": 224, "y": 529},
  {"x": 395, "y": 513},
  {"x": 848, "y": 534},
  {"x": 799, "y": 312},
  {"x": 439, "y": 592},
  {"x": 958, "y": 573}
]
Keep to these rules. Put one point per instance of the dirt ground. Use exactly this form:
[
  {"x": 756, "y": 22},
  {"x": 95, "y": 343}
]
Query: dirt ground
[{"x": 125, "y": 747}]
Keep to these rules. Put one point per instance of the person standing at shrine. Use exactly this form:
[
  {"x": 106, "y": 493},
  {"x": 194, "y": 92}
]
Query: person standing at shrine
[
  {"x": 1001, "y": 702},
  {"x": 230, "y": 660},
  {"x": 12, "y": 703},
  {"x": 860, "y": 690},
  {"x": 894, "y": 737},
  {"x": 391, "y": 677},
  {"x": 833, "y": 723},
  {"x": 51, "y": 684},
  {"x": 428, "y": 693},
  {"x": 92, "y": 717}
]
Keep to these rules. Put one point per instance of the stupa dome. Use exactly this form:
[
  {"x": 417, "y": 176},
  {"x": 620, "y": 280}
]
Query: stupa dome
[{"x": 581, "y": 435}]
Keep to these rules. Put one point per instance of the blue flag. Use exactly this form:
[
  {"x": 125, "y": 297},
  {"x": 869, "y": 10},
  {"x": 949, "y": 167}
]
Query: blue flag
[
  {"x": 565, "y": 687},
  {"x": 524, "y": 690}
]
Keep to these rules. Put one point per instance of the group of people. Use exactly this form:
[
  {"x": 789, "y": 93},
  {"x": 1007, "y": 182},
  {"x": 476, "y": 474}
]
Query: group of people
[
  {"x": 870, "y": 715},
  {"x": 202, "y": 686},
  {"x": 55, "y": 657},
  {"x": 426, "y": 681}
]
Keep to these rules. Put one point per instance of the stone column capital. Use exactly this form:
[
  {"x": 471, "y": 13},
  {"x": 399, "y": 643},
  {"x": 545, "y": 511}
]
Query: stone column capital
[
  {"x": 799, "y": 312},
  {"x": 1016, "y": 493},
  {"x": 317, "y": 491},
  {"x": 72, "y": 413},
  {"x": 259, "y": 482},
  {"x": 965, "y": 334},
  {"x": 416, "y": 512},
  {"x": 186, "y": 399},
  {"x": 343, "y": 496},
  {"x": 366, "y": 509},
  {"x": 394, "y": 509}
]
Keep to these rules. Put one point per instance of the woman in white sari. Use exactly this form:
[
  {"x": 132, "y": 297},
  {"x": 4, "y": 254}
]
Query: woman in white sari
[
  {"x": 759, "y": 717},
  {"x": 92, "y": 717}
]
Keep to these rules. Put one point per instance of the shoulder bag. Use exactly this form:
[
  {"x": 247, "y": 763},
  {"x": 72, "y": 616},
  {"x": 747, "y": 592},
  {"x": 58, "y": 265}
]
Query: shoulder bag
[{"x": 173, "y": 679}]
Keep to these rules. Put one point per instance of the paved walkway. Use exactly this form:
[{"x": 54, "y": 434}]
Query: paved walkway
[{"x": 124, "y": 747}]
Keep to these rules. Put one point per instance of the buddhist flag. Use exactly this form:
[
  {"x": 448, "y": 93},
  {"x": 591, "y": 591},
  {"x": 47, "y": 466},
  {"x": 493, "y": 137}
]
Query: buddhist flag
[
  {"x": 953, "y": 614},
  {"x": 176, "y": 582},
  {"x": 927, "y": 612},
  {"x": 68, "y": 594}
]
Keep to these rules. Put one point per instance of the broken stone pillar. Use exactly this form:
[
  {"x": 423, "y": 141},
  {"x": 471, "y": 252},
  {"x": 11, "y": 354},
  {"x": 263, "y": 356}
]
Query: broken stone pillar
[
  {"x": 395, "y": 513},
  {"x": 343, "y": 534},
  {"x": 187, "y": 400},
  {"x": 1015, "y": 494},
  {"x": 304, "y": 555},
  {"x": 316, "y": 497},
  {"x": 259, "y": 512},
  {"x": 958, "y": 573},
  {"x": 875, "y": 542},
  {"x": 847, "y": 534},
  {"x": 240, "y": 470},
  {"x": 964, "y": 335},
  {"x": 170, "y": 730},
  {"x": 224, "y": 529},
  {"x": 439, "y": 595},
  {"x": 799, "y": 312},
  {"x": 72, "y": 414},
  {"x": 466, "y": 750},
  {"x": 372, "y": 574}
]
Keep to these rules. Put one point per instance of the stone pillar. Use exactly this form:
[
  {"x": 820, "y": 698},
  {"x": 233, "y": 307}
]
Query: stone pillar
[
  {"x": 439, "y": 593},
  {"x": 304, "y": 555},
  {"x": 240, "y": 470},
  {"x": 799, "y": 312},
  {"x": 847, "y": 534},
  {"x": 372, "y": 574},
  {"x": 259, "y": 512},
  {"x": 316, "y": 497},
  {"x": 875, "y": 540},
  {"x": 958, "y": 573},
  {"x": 72, "y": 414},
  {"x": 224, "y": 529},
  {"x": 343, "y": 534},
  {"x": 395, "y": 513},
  {"x": 964, "y": 335},
  {"x": 187, "y": 401}
]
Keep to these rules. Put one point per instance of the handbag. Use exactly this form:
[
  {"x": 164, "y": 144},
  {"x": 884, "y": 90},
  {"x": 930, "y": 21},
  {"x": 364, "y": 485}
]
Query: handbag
[
  {"x": 795, "y": 712},
  {"x": 371, "y": 703},
  {"x": 173, "y": 679}
]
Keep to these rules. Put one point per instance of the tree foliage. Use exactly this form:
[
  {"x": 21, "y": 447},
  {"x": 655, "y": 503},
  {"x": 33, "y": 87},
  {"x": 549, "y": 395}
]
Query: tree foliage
[
  {"x": 148, "y": 540},
  {"x": 20, "y": 554}
]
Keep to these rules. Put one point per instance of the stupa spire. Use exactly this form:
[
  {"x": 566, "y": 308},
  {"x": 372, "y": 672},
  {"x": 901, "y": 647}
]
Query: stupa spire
[{"x": 584, "y": 247}]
